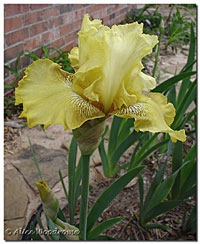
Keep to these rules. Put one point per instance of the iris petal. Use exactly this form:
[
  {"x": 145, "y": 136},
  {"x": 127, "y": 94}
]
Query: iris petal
[
  {"x": 152, "y": 113},
  {"x": 110, "y": 62},
  {"x": 48, "y": 97},
  {"x": 74, "y": 57}
]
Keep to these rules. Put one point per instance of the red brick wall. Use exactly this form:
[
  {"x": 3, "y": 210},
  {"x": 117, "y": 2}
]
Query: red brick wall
[{"x": 28, "y": 26}]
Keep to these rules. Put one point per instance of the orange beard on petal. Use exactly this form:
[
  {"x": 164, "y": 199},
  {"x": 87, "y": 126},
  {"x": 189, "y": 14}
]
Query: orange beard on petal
[
  {"x": 111, "y": 109},
  {"x": 98, "y": 105}
]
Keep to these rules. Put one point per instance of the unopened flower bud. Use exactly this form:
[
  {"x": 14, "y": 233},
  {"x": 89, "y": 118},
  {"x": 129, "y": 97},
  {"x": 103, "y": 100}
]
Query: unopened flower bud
[
  {"x": 162, "y": 26},
  {"x": 49, "y": 201},
  {"x": 88, "y": 136}
]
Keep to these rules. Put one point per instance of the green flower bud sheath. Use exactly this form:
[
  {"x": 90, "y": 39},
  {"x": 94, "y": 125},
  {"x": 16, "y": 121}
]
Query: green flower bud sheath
[
  {"x": 88, "y": 137},
  {"x": 49, "y": 201}
]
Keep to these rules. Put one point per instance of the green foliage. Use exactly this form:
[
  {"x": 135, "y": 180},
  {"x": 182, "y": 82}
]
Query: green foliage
[
  {"x": 106, "y": 197},
  {"x": 155, "y": 202},
  {"x": 178, "y": 27},
  {"x": 185, "y": 184},
  {"x": 180, "y": 186},
  {"x": 99, "y": 206},
  {"x": 116, "y": 147},
  {"x": 142, "y": 15},
  {"x": 166, "y": 191},
  {"x": 189, "y": 225}
]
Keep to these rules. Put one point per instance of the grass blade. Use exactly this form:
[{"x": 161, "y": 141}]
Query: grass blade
[
  {"x": 188, "y": 98},
  {"x": 71, "y": 176},
  {"x": 177, "y": 160},
  {"x": 158, "y": 178},
  {"x": 191, "y": 58},
  {"x": 63, "y": 185},
  {"x": 133, "y": 137},
  {"x": 34, "y": 157},
  {"x": 109, "y": 194},
  {"x": 113, "y": 135},
  {"x": 146, "y": 154},
  {"x": 160, "y": 209},
  {"x": 125, "y": 131},
  {"x": 171, "y": 81},
  {"x": 102, "y": 227},
  {"x": 163, "y": 190}
]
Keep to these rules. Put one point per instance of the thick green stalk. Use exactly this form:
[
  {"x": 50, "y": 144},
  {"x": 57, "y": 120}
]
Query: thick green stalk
[
  {"x": 84, "y": 195},
  {"x": 157, "y": 55}
]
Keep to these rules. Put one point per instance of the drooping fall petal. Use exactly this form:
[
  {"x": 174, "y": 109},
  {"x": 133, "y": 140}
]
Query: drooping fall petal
[
  {"x": 48, "y": 97},
  {"x": 152, "y": 113}
]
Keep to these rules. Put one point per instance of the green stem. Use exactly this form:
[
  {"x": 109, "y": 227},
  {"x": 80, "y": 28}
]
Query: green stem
[
  {"x": 84, "y": 195},
  {"x": 157, "y": 54}
]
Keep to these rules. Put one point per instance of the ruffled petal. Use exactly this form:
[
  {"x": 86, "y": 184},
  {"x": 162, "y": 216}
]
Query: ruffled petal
[
  {"x": 110, "y": 62},
  {"x": 152, "y": 113},
  {"x": 74, "y": 57},
  {"x": 48, "y": 97}
]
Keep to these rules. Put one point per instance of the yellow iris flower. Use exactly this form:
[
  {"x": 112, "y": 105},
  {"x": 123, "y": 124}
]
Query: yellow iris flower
[{"x": 107, "y": 81}]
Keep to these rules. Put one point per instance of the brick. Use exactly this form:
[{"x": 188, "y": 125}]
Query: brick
[
  {"x": 121, "y": 17},
  {"x": 100, "y": 14},
  {"x": 55, "y": 22},
  {"x": 117, "y": 13},
  {"x": 9, "y": 80},
  {"x": 38, "y": 28},
  {"x": 12, "y": 52},
  {"x": 77, "y": 25},
  {"x": 79, "y": 6},
  {"x": 112, "y": 16},
  {"x": 39, "y": 6},
  {"x": 50, "y": 12},
  {"x": 68, "y": 47},
  {"x": 12, "y": 23},
  {"x": 6, "y": 73},
  {"x": 58, "y": 43},
  {"x": 105, "y": 19},
  {"x": 123, "y": 10},
  {"x": 38, "y": 52},
  {"x": 14, "y": 9},
  {"x": 64, "y": 8},
  {"x": 82, "y": 12},
  {"x": 65, "y": 29},
  {"x": 16, "y": 36},
  {"x": 23, "y": 63},
  {"x": 32, "y": 17},
  {"x": 69, "y": 17},
  {"x": 51, "y": 35},
  {"x": 71, "y": 37},
  {"x": 33, "y": 43},
  {"x": 97, "y": 7},
  {"x": 117, "y": 6}
]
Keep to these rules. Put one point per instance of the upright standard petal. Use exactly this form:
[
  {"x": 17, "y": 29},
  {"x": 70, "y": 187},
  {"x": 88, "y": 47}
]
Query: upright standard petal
[
  {"x": 74, "y": 57},
  {"x": 152, "y": 113},
  {"x": 47, "y": 94},
  {"x": 110, "y": 62}
]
